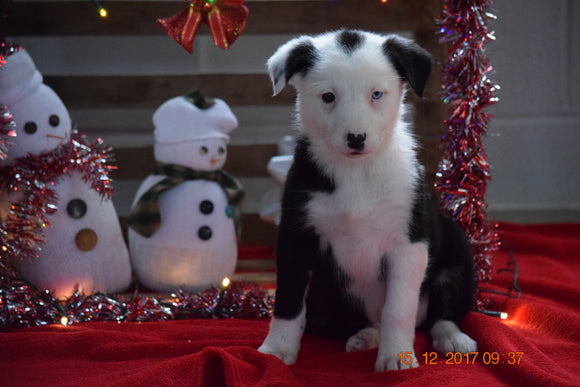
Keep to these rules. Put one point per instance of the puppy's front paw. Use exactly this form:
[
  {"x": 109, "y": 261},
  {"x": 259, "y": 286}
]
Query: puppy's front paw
[
  {"x": 393, "y": 360},
  {"x": 286, "y": 354}
]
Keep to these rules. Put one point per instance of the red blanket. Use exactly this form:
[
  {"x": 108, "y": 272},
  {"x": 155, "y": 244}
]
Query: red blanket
[{"x": 541, "y": 338}]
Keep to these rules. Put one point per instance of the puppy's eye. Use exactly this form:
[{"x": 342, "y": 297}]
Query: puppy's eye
[
  {"x": 377, "y": 95},
  {"x": 203, "y": 150},
  {"x": 328, "y": 97}
]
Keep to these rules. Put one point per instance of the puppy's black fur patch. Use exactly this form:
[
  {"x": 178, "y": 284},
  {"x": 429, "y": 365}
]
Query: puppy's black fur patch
[
  {"x": 350, "y": 40},
  {"x": 300, "y": 60},
  {"x": 411, "y": 62},
  {"x": 298, "y": 246}
]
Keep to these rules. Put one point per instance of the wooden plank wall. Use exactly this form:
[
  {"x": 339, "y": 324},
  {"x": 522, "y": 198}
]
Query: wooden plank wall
[{"x": 113, "y": 73}]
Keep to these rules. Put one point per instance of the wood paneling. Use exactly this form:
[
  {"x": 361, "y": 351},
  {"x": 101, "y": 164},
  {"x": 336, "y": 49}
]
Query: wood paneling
[
  {"x": 294, "y": 17},
  {"x": 242, "y": 160},
  {"x": 96, "y": 92},
  {"x": 141, "y": 91}
]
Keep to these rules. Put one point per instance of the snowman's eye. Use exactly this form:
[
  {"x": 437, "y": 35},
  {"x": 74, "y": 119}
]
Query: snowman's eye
[
  {"x": 76, "y": 208},
  {"x": 221, "y": 150},
  {"x": 54, "y": 120},
  {"x": 30, "y": 127},
  {"x": 203, "y": 150}
]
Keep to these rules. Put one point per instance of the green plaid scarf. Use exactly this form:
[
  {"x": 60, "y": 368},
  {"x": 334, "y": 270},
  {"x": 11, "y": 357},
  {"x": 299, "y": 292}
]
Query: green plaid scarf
[{"x": 145, "y": 218}]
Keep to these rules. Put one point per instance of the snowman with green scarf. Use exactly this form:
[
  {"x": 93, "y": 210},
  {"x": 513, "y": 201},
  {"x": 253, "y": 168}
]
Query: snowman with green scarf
[{"x": 184, "y": 224}]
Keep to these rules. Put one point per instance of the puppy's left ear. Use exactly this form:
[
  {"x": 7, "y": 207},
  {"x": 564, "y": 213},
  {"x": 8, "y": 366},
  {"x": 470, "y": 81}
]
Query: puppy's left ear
[
  {"x": 292, "y": 59},
  {"x": 411, "y": 62}
]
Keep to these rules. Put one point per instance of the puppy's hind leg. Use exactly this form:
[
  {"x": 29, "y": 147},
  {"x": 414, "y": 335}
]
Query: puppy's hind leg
[
  {"x": 367, "y": 338},
  {"x": 447, "y": 337}
]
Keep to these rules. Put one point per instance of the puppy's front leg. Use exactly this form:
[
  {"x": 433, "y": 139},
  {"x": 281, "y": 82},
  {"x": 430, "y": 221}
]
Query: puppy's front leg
[
  {"x": 406, "y": 269},
  {"x": 294, "y": 271},
  {"x": 287, "y": 324},
  {"x": 283, "y": 340}
]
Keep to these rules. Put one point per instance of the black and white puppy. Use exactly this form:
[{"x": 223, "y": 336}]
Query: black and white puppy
[{"x": 361, "y": 251}]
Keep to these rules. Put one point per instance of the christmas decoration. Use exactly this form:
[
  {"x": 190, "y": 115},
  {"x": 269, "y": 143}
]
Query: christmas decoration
[
  {"x": 183, "y": 222},
  {"x": 61, "y": 229},
  {"x": 278, "y": 167},
  {"x": 22, "y": 305},
  {"x": 226, "y": 20},
  {"x": 7, "y": 130},
  {"x": 37, "y": 175},
  {"x": 464, "y": 170},
  {"x": 102, "y": 11}
]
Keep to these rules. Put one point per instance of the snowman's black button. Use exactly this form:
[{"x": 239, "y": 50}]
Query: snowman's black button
[
  {"x": 204, "y": 233},
  {"x": 76, "y": 208},
  {"x": 206, "y": 207}
]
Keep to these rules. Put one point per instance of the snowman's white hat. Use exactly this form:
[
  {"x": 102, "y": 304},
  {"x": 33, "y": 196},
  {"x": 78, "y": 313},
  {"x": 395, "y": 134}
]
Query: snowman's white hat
[
  {"x": 193, "y": 117},
  {"x": 18, "y": 77}
]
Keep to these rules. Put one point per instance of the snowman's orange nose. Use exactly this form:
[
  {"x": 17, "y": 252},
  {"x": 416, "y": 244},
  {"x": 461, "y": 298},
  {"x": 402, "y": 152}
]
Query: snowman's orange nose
[
  {"x": 54, "y": 136},
  {"x": 215, "y": 161},
  {"x": 86, "y": 239}
]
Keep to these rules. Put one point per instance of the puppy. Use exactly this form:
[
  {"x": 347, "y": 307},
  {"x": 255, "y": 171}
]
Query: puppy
[{"x": 361, "y": 252}]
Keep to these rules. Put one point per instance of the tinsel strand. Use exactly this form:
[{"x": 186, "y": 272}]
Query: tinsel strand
[
  {"x": 28, "y": 182},
  {"x": 464, "y": 170},
  {"x": 22, "y": 305}
]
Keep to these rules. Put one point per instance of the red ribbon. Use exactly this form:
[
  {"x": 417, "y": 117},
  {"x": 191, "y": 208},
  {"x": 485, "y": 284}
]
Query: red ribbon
[{"x": 226, "y": 20}]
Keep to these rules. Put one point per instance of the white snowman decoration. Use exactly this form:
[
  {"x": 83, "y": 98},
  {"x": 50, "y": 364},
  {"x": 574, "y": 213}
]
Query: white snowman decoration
[
  {"x": 182, "y": 229},
  {"x": 83, "y": 246}
]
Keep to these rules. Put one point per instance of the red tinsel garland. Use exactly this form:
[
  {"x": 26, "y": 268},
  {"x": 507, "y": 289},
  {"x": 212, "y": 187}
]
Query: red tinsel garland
[
  {"x": 33, "y": 177},
  {"x": 22, "y": 305},
  {"x": 464, "y": 170},
  {"x": 7, "y": 129}
]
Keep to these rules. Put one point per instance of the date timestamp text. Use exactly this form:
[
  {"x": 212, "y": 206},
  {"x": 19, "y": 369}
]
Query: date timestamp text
[{"x": 511, "y": 358}]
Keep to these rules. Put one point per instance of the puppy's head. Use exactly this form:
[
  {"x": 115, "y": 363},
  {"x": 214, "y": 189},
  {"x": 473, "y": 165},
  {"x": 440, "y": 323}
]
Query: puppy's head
[{"x": 350, "y": 86}]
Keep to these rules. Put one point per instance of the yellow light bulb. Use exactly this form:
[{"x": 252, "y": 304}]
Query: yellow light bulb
[
  {"x": 226, "y": 282},
  {"x": 503, "y": 315},
  {"x": 64, "y": 320},
  {"x": 103, "y": 12}
]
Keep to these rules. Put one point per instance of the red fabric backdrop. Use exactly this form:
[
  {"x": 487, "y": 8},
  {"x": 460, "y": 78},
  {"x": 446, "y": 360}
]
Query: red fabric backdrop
[{"x": 543, "y": 326}]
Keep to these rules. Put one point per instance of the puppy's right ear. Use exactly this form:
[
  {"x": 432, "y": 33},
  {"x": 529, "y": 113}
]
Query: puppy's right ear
[{"x": 295, "y": 57}]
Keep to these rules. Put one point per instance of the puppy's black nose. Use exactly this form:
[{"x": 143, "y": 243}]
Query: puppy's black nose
[{"x": 356, "y": 141}]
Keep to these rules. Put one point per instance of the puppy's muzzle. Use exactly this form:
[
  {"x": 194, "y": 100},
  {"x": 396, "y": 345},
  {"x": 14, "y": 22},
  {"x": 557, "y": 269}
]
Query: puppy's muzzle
[{"x": 356, "y": 142}]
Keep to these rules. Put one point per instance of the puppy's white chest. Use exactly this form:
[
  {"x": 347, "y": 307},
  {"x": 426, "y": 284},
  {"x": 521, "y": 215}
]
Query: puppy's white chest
[{"x": 360, "y": 223}]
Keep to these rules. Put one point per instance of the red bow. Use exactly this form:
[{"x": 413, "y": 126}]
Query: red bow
[{"x": 226, "y": 20}]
